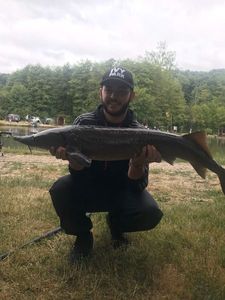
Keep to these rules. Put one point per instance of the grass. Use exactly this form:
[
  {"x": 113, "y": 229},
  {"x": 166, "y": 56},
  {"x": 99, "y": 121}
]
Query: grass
[{"x": 182, "y": 258}]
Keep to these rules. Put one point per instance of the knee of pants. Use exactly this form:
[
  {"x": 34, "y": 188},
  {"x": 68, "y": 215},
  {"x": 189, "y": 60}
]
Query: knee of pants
[
  {"x": 152, "y": 217},
  {"x": 55, "y": 192},
  {"x": 140, "y": 221},
  {"x": 62, "y": 185},
  {"x": 147, "y": 219},
  {"x": 58, "y": 191}
]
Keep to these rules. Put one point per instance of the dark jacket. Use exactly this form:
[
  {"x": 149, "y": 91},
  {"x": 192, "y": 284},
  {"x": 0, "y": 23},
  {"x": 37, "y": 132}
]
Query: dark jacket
[{"x": 109, "y": 174}]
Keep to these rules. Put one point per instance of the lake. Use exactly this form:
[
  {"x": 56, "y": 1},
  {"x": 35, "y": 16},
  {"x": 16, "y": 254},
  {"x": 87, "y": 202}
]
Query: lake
[
  {"x": 21, "y": 130},
  {"x": 217, "y": 148},
  {"x": 216, "y": 145}
]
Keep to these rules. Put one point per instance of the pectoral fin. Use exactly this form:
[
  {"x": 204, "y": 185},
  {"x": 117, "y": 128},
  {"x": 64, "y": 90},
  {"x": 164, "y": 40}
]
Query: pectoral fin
[
  {"x": 169, "y": 159},
  {"x": 80, "y": 158}
]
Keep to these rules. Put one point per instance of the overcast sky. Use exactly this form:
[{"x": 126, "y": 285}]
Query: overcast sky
[{"x": 56, "y": 32}]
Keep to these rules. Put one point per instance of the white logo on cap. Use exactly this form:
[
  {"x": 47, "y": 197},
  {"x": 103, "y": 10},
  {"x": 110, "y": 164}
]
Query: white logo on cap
[{"x": 117, "y": 72}]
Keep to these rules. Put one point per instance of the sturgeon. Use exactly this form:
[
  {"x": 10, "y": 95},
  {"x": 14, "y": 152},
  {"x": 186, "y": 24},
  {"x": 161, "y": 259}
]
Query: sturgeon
[{"x": 86, "y": 143}]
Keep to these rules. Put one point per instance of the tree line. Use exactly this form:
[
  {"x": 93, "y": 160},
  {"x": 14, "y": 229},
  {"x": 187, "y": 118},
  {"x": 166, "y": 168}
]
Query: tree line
[{"x": 165, "y": 96}]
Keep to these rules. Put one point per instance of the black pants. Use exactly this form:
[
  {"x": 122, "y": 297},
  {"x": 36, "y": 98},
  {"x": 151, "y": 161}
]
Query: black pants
[{"x": 131, "y": 211}]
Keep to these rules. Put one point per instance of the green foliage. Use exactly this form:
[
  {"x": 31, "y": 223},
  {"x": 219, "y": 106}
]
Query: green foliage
[
  {"x": 204, "y": 94},
  {"x": 84, "y": 85},
  {"x": 165, "y": 96}
]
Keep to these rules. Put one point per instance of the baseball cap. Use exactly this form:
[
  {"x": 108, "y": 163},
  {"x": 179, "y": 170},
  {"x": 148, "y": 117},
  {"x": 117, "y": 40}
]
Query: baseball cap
[{"x": 118, "y": 74}]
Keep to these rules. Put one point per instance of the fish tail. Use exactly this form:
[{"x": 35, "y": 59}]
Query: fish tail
[{"x": 200, "y": 139}]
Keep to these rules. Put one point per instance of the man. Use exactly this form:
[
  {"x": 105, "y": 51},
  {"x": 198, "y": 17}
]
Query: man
[{"x": 116, "y": 187}]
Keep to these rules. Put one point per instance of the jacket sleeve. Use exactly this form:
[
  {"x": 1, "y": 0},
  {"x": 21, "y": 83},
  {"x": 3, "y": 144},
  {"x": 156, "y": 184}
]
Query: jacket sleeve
[{"x": 138, "y": 185}]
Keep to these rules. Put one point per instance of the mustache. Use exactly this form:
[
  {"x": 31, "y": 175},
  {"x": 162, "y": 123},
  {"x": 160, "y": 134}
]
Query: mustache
[{"x": 114, "y": 101}]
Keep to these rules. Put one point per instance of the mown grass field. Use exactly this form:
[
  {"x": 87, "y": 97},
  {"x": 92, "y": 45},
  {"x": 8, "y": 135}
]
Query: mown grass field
[{"x": 183, "y": 258}]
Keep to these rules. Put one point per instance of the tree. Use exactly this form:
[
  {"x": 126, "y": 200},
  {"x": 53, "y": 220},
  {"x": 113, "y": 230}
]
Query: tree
[
  {"x": 164, "y": 96},
  {"x": 18, "y": 98},
  {"x": 162, "y": 57}
]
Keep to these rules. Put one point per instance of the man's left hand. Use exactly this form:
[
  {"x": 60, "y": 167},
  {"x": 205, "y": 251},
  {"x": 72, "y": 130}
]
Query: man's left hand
[
  {"x": 138, "y": 162},
  {"x": 148, "y": 155}
]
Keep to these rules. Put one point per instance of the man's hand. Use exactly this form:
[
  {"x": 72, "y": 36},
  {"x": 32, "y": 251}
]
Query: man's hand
[
  {"x": 137, "y": 163},
  {"x": 60, "y": 153},
  {"x": 148, "y": 155}
]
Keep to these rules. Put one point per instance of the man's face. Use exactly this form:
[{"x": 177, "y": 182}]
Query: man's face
[{"x": 115, "y": 98}]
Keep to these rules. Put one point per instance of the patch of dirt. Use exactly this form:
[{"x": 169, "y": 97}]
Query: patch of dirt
[
  {"x": 14, "y": 165},
  {"x": 170, "y": 183},
  {"x": 181, "y": 182},
  {"x": 43, "y": 159}
]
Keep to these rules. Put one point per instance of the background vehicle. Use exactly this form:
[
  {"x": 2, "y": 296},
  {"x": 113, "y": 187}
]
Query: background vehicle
[{"x": 13, "y": 118}]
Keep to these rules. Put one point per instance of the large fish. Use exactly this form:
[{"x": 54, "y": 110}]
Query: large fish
[{"x": 84, "y": 143}]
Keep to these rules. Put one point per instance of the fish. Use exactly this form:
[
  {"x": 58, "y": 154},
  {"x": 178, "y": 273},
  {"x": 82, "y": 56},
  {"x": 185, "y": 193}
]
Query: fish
[{"x": 86, "y": 143}]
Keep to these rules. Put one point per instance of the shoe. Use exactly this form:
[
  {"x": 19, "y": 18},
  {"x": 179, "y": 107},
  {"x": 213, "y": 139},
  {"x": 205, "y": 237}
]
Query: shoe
[
  {"x": 118, "y": 238},
  {"x": 82, "y": 247}
]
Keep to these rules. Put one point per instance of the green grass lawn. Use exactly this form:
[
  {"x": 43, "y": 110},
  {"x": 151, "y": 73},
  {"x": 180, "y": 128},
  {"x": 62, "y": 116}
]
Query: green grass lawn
[{"x": 183, "y": 258}]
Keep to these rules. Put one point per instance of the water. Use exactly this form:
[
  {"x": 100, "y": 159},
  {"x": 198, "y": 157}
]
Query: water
[
  {"x": 217, "y": 148},
  {"x": 21, "y": 130},
  {"x": 216, "y": 145}
]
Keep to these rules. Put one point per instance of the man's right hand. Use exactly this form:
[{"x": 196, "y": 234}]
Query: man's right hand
[{"x": 60, "y": 153}]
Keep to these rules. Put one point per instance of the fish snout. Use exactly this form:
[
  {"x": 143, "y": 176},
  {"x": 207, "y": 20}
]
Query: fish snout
[{"x": 27, "y": 140}]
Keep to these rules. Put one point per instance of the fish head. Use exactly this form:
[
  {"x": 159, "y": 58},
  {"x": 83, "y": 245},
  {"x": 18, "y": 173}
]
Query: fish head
[
  {"x": 27, "y": 140},
  {"x": 43, "y": 139}
]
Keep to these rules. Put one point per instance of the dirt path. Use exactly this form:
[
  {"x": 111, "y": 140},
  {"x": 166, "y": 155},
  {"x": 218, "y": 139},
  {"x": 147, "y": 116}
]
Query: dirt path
[
  {"x": 173, "y": 183},
  {"x": 45, "y": 159}
]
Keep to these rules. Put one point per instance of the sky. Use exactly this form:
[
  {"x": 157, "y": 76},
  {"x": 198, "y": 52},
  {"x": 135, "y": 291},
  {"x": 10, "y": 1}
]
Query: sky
[{"x": 57, "y": 32}]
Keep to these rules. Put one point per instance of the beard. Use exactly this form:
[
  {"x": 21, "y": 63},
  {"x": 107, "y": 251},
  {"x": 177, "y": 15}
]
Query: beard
[{"x": 117, "y": 113}]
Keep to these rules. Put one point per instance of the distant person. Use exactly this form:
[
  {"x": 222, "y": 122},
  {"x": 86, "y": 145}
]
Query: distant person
[{"x": 116, "y": 187}]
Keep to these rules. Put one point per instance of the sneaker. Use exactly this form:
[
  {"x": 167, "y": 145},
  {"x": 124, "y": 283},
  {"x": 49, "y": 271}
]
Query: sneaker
[
  {"x": 118, "y": 238},
  {"x": 82, "y": 247}
]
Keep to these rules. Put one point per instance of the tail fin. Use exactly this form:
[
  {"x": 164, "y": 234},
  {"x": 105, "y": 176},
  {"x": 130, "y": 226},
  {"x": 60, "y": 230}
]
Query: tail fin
[{"x": 200, "y": 139}]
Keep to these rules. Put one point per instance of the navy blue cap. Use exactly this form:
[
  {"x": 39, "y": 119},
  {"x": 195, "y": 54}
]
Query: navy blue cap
[{"x": 118, "y": 74}]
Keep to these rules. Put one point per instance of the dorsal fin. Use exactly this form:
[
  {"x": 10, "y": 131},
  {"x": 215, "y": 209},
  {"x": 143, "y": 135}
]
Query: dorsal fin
[{"x": 199, "y": 137}]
